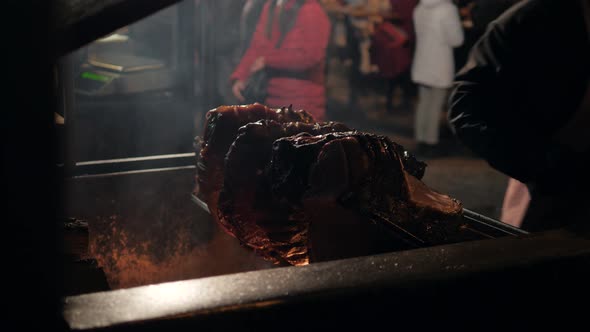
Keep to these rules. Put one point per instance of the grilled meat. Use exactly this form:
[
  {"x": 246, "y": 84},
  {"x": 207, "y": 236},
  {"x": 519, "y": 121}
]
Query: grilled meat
[
  {"x": 221, "y": 128},
  {"x": 296, "y": 191},
  {"x": 366, "y": 177},
  {"x": 247, "y": 209}
]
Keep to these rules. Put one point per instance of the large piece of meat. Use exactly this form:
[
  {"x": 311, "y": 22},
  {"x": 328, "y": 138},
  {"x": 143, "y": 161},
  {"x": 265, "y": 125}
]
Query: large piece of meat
[
  {"x": 296, "y": 191},
  {"x": 371, "y": 183},
  {"x": 220, "y": 130},
  {"x": 247, "y": 208}
]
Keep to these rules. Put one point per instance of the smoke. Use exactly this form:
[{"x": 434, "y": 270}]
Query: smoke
[
  {"x": 143, "y": 228},
  {"x": 140, "y": 112}
]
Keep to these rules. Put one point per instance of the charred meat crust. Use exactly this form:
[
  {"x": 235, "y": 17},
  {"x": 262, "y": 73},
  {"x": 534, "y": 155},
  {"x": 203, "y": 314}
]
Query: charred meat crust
[
  {"x": 371, "y": 159},
  {"x": 221, "y": 127},
  {"x": 365, "y": 173},
  {"x": 275, "y": 180},
  {"x": 247, "y": 208}
]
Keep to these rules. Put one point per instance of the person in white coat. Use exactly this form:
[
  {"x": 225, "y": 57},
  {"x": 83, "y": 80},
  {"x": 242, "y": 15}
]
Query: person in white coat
[{"x": 438, "y": 31}]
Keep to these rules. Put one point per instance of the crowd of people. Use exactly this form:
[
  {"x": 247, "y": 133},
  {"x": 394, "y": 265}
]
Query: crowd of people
[{"x": 281, "y": 47}]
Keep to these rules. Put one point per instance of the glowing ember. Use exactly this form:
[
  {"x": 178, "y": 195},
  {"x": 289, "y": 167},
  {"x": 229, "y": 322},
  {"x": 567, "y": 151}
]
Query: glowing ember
[
  {"x": 145, "y": 229},
  {"x": 130, "y": 260}
]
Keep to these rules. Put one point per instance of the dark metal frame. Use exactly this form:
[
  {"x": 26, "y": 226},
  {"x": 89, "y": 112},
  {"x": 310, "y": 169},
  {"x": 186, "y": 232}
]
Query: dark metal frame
[
  {"x": 486, "y": 281},
  {"x": 475, "y": 284}
]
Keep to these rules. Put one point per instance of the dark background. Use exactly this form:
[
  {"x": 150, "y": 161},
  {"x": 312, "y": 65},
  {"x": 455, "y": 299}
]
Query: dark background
[
  {"x": 31, "y": 202},
  {"x": 30, "y": 234}
]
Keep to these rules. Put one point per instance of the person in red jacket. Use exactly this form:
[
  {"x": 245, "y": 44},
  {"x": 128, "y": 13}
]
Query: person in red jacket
[{"x": 297, "y": 66}]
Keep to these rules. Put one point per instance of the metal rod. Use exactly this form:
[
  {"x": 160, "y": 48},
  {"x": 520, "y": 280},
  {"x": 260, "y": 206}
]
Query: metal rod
[
  {"x": 200, "y": 203},
  {"x": 126, "y": 160},
  {"x": 493, "y": 223},
  {"x": 134, "y": 172},
  {"x": 397, "y": 228}
]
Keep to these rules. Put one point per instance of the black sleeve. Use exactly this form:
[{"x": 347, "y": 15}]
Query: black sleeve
[
  {"x": 485, "y": 11},
  {"x": 486, "y": 92},
  {"x": 523, "y": 80}
]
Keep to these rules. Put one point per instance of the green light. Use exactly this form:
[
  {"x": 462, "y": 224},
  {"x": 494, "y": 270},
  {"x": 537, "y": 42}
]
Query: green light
[{"x": 95, "y": 77}]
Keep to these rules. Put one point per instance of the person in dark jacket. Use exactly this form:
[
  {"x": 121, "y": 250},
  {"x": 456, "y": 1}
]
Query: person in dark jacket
[
  {"x": 519, "y": 104},
  {"x": 398, "y": 72}
]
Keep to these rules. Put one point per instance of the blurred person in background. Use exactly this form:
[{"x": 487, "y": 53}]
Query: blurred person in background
[
  {"x": 522, "y": 103},
  {"x": 365, "y": 14},
  {"x": 438, "y": 32},
  {"x": 297, "y": 67},
  {"x": 395, "y": 61},
  {"x": 361, "y": 18},
  {"x": 338, "y": 41},
  {"x": 516, "y": 201}
]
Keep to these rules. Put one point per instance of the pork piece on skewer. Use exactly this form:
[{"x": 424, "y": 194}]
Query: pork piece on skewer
[
  {"x": 321, "y": 197},
  {"x": 247, "y": 209},
  {"x": 221, "y": 128},
  {"x": 368, "y": 181}
]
